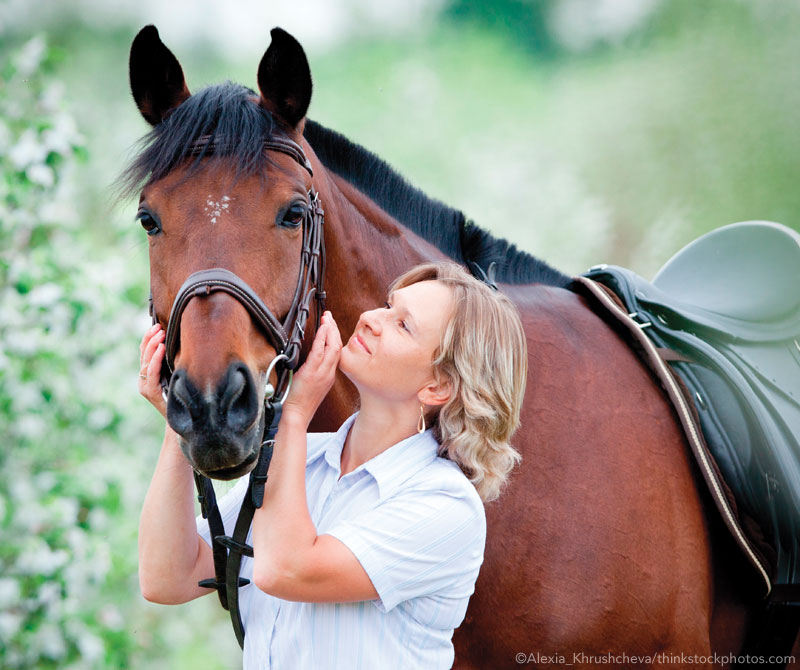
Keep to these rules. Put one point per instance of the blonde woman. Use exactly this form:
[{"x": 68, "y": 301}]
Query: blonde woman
[{"x": 370, "y": 539}]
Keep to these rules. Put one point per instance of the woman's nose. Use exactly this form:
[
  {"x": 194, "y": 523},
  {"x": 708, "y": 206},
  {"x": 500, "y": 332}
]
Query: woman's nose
[{"x": 372, "y": 320}]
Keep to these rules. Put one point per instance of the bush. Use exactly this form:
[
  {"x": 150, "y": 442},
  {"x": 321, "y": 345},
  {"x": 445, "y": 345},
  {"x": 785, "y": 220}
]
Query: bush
[{"x": 64, "y": 479}]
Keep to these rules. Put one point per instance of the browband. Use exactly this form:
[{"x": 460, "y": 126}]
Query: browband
[{"x": 208, "y": 144}]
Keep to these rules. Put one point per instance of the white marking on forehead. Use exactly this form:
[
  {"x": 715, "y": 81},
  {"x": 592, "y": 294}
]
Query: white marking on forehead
[{"x": 216, "y": 208}]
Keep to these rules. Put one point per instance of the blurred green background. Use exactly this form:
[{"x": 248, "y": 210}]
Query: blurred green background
[{"x": 585, "y": 131}]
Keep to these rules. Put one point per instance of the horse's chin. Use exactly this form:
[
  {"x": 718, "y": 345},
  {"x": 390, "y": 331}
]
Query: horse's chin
[
  {"x": 214, "y": 464},
  {"x": 235, "y": 471}
]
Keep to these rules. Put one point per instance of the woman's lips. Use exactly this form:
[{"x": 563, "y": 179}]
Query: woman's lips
[{"x": 362, "y": 344}]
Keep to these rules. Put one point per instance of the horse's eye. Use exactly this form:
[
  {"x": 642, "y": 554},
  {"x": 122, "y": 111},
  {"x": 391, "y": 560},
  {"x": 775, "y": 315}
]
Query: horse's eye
[
  {"x": 150, "y": 225},
  {"x": 294, "y": 216}
]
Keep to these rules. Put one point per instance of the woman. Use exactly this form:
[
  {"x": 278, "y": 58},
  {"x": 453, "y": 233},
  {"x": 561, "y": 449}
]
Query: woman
[{"x": 370, "y": 539}]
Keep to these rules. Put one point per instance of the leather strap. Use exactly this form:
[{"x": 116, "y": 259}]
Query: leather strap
[
  {"x": 287, "y": 339},
  {"x": 208, "y": 145},
  {"x": 210, "y": 511},
  {"x": 210, "y": 281},
  {"x": 231, "y": 548}
]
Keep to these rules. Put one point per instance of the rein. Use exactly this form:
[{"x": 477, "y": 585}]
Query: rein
[{"x": 286, "y": 338}]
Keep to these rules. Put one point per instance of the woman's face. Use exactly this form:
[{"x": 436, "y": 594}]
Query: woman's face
[{"x": 391, "y": 349}]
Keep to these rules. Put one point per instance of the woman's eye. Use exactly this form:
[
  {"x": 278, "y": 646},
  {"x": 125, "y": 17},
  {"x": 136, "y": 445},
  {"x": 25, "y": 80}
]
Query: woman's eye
[
  {"x": 149, "y": 224},
  {"x": 403, "y": 325},
  {"x": 387, "y": 305},
  {"x": 294, "y": 216}
]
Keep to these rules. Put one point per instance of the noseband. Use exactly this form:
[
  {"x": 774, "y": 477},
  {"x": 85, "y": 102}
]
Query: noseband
[{"x": 286, "y": 338}]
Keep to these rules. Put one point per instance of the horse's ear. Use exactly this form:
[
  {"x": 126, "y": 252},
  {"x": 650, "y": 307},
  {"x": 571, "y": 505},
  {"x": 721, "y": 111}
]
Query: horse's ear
[
  {"x": 285, "y": 78},
  {"x": 157, "y": 81}
]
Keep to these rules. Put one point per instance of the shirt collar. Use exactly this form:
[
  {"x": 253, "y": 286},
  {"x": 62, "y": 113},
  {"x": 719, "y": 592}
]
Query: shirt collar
[{"x": 393, "y": 466}]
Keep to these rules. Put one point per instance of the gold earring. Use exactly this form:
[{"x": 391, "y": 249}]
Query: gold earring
[{"x": 421, "y": 422}]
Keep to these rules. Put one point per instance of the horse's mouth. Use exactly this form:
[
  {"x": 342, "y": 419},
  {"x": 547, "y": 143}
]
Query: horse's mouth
[{"x": 236, "y": 471}]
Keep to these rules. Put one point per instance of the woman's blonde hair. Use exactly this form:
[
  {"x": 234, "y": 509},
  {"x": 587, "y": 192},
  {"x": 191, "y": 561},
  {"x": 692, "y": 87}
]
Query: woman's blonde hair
[{"x": 483, "y": 356}]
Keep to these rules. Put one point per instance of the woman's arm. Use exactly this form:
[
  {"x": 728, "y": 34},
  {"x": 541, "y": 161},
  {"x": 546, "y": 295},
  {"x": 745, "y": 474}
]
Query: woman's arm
[
  {"x": 172, "y": 556},
  {"x": 290, "y": 560}
]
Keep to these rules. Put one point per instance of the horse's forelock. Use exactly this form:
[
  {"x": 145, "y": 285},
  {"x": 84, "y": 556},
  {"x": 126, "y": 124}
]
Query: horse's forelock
[{"x": 224, "y": 120}]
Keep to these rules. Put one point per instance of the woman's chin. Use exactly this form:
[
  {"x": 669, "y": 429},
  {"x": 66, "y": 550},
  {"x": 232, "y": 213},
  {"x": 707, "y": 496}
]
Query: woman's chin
[{"x": 348, "y": 366}]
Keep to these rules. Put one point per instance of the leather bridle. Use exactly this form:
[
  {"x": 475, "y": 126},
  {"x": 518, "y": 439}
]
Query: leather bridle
[{"x": 285, "y": 337}]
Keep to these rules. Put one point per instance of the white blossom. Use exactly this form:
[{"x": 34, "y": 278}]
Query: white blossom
[
  {"x": 9, "y": 592},
  {"x": 28, "y": 150},
  {"x": 10, "y": 623},
  {"x": 50, "y": 641},
  {"x": 30, "y": 56},
  {"x": 41, "y": 560},
  {"x": 40, "y": 174},
  {"x": 111, "y": 617}
]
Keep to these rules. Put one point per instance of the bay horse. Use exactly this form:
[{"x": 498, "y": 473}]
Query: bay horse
[{"x": 605, "y": 541}]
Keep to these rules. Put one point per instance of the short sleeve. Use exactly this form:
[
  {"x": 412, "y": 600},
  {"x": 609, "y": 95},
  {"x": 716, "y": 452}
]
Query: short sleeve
[
  {"x": 229, "y": 506},
  {"x": 419, "y": 542}
]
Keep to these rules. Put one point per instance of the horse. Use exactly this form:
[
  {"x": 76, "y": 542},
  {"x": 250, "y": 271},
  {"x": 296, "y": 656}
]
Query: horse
[{"x": 605, "y": 548}]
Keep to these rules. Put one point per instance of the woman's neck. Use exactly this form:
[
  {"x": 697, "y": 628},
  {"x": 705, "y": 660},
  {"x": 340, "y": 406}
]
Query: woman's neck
[{"x": 378, "y": 426}]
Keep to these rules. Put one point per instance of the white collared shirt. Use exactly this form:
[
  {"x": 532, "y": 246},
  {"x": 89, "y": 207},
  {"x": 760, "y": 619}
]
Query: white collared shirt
[{"x": 417, "y": 526}]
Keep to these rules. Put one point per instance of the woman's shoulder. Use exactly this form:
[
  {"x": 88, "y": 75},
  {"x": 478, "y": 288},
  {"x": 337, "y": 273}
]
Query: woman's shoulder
[{"x": 444, "y": 477}]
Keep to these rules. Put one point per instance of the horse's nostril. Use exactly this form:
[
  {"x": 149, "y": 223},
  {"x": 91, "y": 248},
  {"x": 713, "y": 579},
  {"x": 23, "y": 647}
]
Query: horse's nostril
[
  {"x": 239, "y": 402},
  {"x": 178, "y": 400}
]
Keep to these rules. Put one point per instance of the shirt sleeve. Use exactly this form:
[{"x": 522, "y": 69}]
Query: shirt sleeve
[
  {"x": 419, "y": 542},
  {"x": 229, "y": 506}
]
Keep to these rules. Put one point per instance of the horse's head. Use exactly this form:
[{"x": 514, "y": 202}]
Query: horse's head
[{"x": 218, "y": 195}]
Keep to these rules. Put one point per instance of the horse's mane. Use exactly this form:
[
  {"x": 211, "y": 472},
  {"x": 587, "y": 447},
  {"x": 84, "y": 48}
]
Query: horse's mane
[
  {"x": 445, "y": 227},
  {"x": 223, "y": 111}
]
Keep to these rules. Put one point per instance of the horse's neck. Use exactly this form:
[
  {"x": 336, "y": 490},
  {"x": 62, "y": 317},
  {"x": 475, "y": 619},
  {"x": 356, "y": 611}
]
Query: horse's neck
[{"x": 365, "y": 250}]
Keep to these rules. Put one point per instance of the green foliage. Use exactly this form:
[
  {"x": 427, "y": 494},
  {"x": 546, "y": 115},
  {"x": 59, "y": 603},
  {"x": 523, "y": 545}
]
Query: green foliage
[{"x": 61, "y": 417}]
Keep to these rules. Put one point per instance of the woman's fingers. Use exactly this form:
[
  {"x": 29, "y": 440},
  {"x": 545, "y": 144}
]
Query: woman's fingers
[
  {"x": 318, "y": 347},
  {"x": 154, "y": 367},
  {"x": 151, "y": 346},
  {"x": 333, "y": 343},
  {"x": 151, "y": 358},
  {"x": 146, "y": 338}
]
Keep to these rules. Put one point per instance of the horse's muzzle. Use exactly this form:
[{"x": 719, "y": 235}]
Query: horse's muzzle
[{"x": 220, "y": 428}]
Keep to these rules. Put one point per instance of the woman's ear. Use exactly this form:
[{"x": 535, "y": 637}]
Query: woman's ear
[{"x": 435, "y": 393}]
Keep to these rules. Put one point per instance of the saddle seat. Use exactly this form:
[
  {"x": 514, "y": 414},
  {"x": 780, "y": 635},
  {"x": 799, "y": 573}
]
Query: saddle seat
[
  {"x": 724, "y": 313},
  {"x": 740, "y": 280}
]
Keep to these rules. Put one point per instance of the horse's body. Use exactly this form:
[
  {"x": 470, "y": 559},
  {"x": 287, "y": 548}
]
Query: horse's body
[
  {"x": 601, "y": 541},
  {"x": 604, "y": 541}
]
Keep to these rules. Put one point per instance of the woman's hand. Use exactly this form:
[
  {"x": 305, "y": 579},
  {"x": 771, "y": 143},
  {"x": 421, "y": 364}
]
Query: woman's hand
[
  {"x": 315, "y": 377},
  {"x": 151, "y": 354}
]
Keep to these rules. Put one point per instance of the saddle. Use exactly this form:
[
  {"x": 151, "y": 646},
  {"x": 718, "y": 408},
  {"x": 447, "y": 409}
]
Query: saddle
[{"x": 720, "y": 326}]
